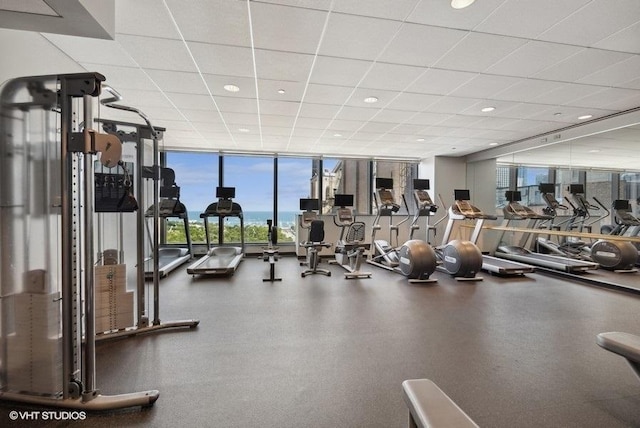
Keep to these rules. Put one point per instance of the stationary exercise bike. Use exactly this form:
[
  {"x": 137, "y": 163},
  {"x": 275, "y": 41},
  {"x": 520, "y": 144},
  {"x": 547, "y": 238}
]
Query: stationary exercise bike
[
  {"x": 415, "y": 259},
  {"x": 315, "y": 241},
  {"x": 350, "y": 248},
  {"x": 270, "y": 253}
]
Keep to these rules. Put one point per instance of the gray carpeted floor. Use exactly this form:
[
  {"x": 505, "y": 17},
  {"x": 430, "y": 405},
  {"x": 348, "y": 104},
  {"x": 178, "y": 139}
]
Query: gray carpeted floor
[{"x": 330, "y": 352}]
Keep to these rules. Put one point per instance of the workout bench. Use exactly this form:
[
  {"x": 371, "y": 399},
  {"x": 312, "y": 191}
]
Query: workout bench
[
  {"x": 624, "y": 344},
  {"x": 430, "y": 407}
]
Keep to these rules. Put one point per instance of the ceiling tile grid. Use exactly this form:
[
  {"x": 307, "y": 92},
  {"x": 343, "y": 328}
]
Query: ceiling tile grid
[{"x": 304, "y": 67}]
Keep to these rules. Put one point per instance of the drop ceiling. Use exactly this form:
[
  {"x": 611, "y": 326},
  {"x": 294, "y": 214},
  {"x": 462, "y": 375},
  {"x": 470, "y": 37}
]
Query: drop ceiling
[{"x": 305, "y": 67}]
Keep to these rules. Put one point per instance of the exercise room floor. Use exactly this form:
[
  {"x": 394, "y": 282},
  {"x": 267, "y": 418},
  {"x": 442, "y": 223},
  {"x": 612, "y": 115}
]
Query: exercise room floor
[{"x": 329, "y": 352}]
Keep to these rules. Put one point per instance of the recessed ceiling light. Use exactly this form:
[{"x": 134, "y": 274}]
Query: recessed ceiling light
[
  {"x": 557, "y": 114},
  {"x": 461, "y": 4},
  {"x": 245, "y": 130},
  {"x": 487, "y": 109},
  {"x": 337, "y": 135},
  {"x": 594, "y": 151},
  {"x": 231, "y": 88},
  {"x": 493, "y": 144},
  {"x": 281, "y": 91},
  {"x": 584, "y": 117},
  {"x": 371, "y": 100},
  {"x": 420, "y": 139}
]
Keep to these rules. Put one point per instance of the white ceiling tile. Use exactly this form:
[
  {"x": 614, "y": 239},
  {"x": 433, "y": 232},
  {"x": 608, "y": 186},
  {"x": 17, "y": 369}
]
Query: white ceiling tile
[
  {"x": 161, "y": 54},
  {"x": 158, "y": 114},
  {"x": 583, "y": 63},
  {"x": 387, "y": 9},
  {"x": 307, "y": 132},
  {"x": 223, "y": 60},
  {"x": 178, "y": 81},
  {"x": 207, "y": 127},
  {"x": 345, "y": 125},
  {"x": 241, "y": 120},
  {"x": 440, "y": 13},
  {"x": 391, "y": 76},
  {"x": 376, "y": 127},
  {"x": 322, "y": 111},
  {"x": 339, "y": 71},
  {"x": 596, "y": 21},
  {"x": 491, "y": 123},
  {"x": 143, "y": 99},
  {"x": 528, "y": 19},
  {"x": 614, "y": 75},
  {"x": 478, "y": 51},
  {"x": 393, "y": 116},
  {"x": 95, "y": 51},
  {"x": 606, "y": 97},
  {"x": 531, "y": 58},
  {"x": 237, "y": 105},
  {"x": 566, "y": 93},
  {"x": 626, "y": 40},
  {"x": 206, "y": 21},
  {"x": 356, "y": 113},
  {"x": 452, "y": 105},
  {"x": 325, "y": 94},
  {"x": 440, "y": 82},
  {"x": 406, "y": 129},
  {"x": 191, "y": 101},
  {"x": 427, "y": 118},
  {"x": 461, "y": 121},
  {"x": 287, "y": 108},
  {"x": 305, "y": 24},
  {"x": 144, "y": 18},
  {"x": 526, "y": 89},
  {"x": 632, "y": 84},
  {"x": 412, "y": 102},
  {"x": 484, "y": 86},
  {"x": 421, "y": 45},
  {"x": 283, "y": 65},
  {"x": 206, "y": 116},
  {"x": 312, "y": 122},
  {"x": 277, "y": 120},
  {"x": 350, "y": 36}
]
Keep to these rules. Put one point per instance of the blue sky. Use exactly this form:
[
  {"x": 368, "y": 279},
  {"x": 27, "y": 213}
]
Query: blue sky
[{"x": 197, "y": 176}]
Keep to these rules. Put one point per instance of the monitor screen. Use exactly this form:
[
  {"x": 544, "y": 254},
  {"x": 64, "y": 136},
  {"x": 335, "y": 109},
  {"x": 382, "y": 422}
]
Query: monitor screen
[
  {"x": 547, "y": 188},
  {"x": 513, "y": 195},
  {"x": 621, "y": 204},
  {"x": 225, "y": 192},
  {"x": 421, "y": 184},
  {"x": 575, "y": 189},
  {"x": 462, "y": 195},
  {"x": 342, "y": 200},
  {"x": 309, "y": 204},
  {"x": 384, "y": 183}
]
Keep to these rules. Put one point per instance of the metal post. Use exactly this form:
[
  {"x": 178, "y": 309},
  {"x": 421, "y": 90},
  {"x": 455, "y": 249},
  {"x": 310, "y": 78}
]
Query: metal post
[
  {"x": 143, "y": 318},
  {"x": 89, "y": 297},
  {"x": 156, "y": 229}
]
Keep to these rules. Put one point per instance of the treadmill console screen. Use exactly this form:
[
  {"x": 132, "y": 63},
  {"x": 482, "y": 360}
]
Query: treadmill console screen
[
  {"x": 621, "y": 204},
  {"x": 462, "y": 195},
  {"x": 513, "y": 196},
  {"x": 309, "y": 204},
  {"x": 421, "y": 184},
  {"x": 576, "y": 189},
  {"x": 225, "y": 192},
  {"x": 384, "y": 183},
  {"x": 547, "y": 188},
  {"x": 343, "y": 200}
]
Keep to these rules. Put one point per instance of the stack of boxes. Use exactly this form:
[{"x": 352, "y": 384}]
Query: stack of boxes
[{"x": 34, "y": 342}]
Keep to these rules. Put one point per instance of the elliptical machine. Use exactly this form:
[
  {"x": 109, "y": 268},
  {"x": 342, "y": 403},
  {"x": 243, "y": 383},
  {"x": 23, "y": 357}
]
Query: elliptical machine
[
  {"x": 619, "y": 256},
  {"x": 415, "y": 259},
  {"x": 350, "y": 248},
  {"x": 315, "y": 241},
  {"x": 461, "y": 259}
]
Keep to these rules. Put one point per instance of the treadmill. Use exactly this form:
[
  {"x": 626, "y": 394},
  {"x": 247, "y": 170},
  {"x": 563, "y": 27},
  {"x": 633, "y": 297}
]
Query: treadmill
[
  {"x": 515, "y": 211},
  {"x": 463, "y": 210},
  {"x": 221, "y": 259},
  {"x": 169, "y": 206}
]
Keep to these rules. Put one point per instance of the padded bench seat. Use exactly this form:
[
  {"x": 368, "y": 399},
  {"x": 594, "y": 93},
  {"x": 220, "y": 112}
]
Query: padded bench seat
[
  {"x": 624, "y": 344},
  {"x": 430, "y": 407}
]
